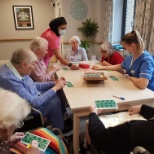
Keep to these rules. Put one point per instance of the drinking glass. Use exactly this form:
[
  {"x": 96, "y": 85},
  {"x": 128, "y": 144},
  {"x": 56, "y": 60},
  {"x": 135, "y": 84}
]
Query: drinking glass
[{"x": 93, "y": 58}]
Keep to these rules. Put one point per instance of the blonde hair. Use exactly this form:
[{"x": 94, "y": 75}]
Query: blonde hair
[
  {"x": 13, "y": 109},
  {"x": 107, "y": 46},
  {"x": 20, "y": 55},
  {"x": 75, "y": 38},
  {"x": 134, "y": 37},
  {"x": 38, "y": 43}
]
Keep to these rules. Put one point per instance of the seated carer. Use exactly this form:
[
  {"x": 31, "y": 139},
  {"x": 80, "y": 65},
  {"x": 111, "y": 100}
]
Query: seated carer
[
  {"x": 43, "y": 96},
  {"x": 139, "y": 67},
  {"x": 109, "y": 55},
  {"x": 39, "y": 46},
  {"x": 122, "y": 139},
  {"x": 13, "y": 111},
  {"x": 75, "y": 53}
]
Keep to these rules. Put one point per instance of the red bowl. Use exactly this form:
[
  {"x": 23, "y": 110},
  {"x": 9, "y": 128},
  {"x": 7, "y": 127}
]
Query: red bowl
[{"x": 85, "y": 66}]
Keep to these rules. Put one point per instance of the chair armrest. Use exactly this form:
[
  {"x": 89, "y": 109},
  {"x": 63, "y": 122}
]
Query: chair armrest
[{"x": 41, "y": 116}]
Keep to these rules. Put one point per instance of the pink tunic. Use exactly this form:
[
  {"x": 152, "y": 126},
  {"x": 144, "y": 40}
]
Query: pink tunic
[{"x": 54, "y": 43}]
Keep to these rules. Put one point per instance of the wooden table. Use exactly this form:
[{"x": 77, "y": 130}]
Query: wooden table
[{"x": 83, "y": 94}]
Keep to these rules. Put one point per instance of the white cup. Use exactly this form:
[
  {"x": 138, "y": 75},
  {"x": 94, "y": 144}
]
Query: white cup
[{"x": 93, "y": 58}]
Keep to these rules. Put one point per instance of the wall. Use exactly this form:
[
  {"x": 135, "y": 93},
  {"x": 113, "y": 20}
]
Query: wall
[
  {"x": 96, "y": 11},
  {"x": 43, "y": 12}
]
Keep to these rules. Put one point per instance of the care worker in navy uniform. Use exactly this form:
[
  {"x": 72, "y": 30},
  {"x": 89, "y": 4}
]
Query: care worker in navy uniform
[{"x": 139, "y": 67}]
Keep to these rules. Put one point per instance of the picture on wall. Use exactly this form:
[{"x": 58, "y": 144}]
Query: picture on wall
[{"x": 23, "y": 17}]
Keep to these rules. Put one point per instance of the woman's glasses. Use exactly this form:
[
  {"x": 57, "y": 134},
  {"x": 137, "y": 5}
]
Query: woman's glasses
[{"x": 21, "y": 123}]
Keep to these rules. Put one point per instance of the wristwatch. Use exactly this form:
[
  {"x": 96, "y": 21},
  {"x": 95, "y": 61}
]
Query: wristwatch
[{"x": 70, "y": 64}]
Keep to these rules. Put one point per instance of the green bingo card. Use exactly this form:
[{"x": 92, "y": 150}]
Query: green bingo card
[
  {"x": 42, "y": 142},
  {"x": 65, "y": 68},
  {"x": 106, "y": 104},
  {"x": 69, "y": 84},
  {"x": 113, "y": 78}
]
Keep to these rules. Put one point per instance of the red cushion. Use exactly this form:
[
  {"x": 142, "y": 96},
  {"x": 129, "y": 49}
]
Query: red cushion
[{"x": 82, "y": 65}]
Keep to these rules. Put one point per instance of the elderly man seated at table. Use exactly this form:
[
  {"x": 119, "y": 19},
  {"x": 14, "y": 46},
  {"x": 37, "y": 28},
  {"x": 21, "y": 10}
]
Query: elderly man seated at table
[
  {"x": 14, "y": 76},
  {"x": 39, "y": 46}
]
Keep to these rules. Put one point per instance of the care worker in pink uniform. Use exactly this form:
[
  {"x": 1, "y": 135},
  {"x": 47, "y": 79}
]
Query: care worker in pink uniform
[{"x": 52, "y": 35}]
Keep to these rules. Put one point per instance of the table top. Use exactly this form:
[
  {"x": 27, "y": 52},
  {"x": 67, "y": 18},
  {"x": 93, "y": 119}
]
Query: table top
[{"x": 83, "y": 93}]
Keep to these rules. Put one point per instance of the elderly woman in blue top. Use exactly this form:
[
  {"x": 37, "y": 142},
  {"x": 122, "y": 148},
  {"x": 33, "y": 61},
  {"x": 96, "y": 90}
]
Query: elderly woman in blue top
[
  {"x": 139, "y": 67},
  {"x": 14, "y": 76},
  {"x": 75, "y": 53}
]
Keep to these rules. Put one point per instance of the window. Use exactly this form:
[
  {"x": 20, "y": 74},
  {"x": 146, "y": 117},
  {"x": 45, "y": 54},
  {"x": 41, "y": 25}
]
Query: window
[
  {"x": 123, "y": 19},
  {"x": 128, "y": 16}
]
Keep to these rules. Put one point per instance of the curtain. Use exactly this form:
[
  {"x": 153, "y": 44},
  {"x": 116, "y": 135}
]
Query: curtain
[
  {"x": 108, "y": 21},
  {"x": 144, "y": 22}
]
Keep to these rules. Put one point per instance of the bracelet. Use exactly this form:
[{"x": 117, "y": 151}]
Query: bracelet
[{"x": 70, "y": 64}]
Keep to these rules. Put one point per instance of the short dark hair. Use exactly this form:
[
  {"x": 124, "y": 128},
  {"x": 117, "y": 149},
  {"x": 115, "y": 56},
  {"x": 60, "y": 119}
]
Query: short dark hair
[{"x": 55, "y": 23}]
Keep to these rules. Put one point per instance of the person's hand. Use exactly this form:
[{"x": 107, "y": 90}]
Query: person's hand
[
  {"x": 134, "y": 109},
  {"x": 53, "y": 69},
  {"x": 95, "y": 110},
  {"x": 105, "y": 63},
  {"x": 34, "y": 143},
  {"x": 74, "y": 67},
  {"x": 15, "y": 137},
  {"x": 33, "y": 149},
  {"x": 62, "y": 78},
  {"x": 59, "y": 84},
  {"x": 96, "y": 67}
]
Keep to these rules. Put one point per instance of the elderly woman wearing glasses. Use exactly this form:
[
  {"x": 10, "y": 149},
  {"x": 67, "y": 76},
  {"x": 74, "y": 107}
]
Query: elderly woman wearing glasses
[
  {"x": 75, "y": 53},
  {"x": 109, "y": 55},
  {"x": 10, "y": 120}
]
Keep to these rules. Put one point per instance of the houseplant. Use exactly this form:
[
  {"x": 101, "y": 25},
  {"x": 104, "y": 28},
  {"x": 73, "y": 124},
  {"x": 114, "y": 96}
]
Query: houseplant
[
  {"x": 86, "y": 45},
  {"x": 88, "y": 30}
]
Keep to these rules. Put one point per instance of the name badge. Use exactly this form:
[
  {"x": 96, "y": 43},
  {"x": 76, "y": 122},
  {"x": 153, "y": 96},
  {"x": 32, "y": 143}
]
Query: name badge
[{"x": 132, "y": 72}]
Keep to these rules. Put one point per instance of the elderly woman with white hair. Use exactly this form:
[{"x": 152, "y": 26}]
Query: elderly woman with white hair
[
  {"x": 11, "y": 120},
  {"x": 75, "y": 53},
  {"x": 13, "y": 111},
  {"x": 39, "y": 46},
  {"x": 109, "y": 55}
]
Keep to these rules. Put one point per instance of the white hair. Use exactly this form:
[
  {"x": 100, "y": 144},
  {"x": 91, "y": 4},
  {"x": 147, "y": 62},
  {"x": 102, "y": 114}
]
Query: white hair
[
  {"x": 13, "y": 109},
  {"x": 20, "y": 55},
  {"x": 107, "y": 46},
  {"x": 75, "y": 38},
  {"x": 38, "y": 43}
]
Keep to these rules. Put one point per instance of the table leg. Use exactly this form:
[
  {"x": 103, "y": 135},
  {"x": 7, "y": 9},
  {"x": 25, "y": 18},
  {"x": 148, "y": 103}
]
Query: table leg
[{"x": 76, "y": 130}]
